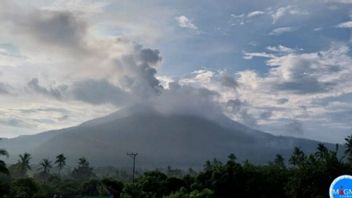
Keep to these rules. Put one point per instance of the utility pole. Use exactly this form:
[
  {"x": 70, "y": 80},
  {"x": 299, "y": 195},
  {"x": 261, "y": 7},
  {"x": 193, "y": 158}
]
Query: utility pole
[{"x": 133, "y": 156}]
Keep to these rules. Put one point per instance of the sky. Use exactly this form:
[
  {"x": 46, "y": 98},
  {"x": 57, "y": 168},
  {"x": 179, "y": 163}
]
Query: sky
[{"x": 284, "y": 67}]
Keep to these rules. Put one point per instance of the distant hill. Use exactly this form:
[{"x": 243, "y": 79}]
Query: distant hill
[{"x": 160, "y": 139}]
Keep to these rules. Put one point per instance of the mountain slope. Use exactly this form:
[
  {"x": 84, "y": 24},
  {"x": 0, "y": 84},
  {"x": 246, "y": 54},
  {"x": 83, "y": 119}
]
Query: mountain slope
[{"x": 160, "y": 140}]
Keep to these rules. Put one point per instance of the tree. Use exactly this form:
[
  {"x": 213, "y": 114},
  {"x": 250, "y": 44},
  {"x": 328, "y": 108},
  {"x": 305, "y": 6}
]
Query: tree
[
  {"x": 3, "y": 168},
  {"x": 23, "y": 164},
  {"x": 26, "y": 187},
  {"x": 348, "y": 151},
  {"x": 4, "y": 174},
  {"x": 154, "y": 182},
  {"x": 205, "y": 193},
  {"x": 83, "y": 170},
  {"x": 322, "y": 152},
  {"x": 279, "y": 161},
  {"x": 91, "y": 188},
  {"x": 83, "y": 162},
  {"x": 298, "y": 157},
  {"x": 45, "y": 166},
  {"x": 232, "y": 157},
  {"x": 113, "y": 186},
  {"x": 60, "y": 162}
]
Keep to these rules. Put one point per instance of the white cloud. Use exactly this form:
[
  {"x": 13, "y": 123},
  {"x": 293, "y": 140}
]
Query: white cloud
[
  {"x": 68, "y": 63},
  {"x": 284, "y": 11},
  {"x": 286, "y": 99},
  {"x": 242, "y": 19},
  {"x": 339, "y": 1},
  {"x": 255, "y": 13},
  {"x": 8, "y": 59},
  {"x": 185, "y": 22},
  {"x": 347, "y": 24},
  {"x": 238, "y": 19},
  {"x": 281, "y": 49},
  {"x": 85, "y": 6},
  {"x": 275, "y": 14},
  {"x": 101, "y": 54},
  {"x": 281, "y": 30},
  {"x": 301, "y": 79},
  {"x": 251, "y": 55}
]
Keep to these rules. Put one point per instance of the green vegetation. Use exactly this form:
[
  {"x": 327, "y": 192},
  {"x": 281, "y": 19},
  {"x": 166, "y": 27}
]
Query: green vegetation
[{"x": 302, "y": 176}]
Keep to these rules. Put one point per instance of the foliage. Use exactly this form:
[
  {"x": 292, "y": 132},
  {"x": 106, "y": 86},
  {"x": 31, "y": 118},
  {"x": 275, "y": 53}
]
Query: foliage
[
  {"x": 83, "y": 171},
  {"x": 21, "y": 168},
  {"x": 60, "y": 162},
  {"x": 302, "y": 175},
  {"x": 4, "y": 174},
  {"x": 25, "y": 187},
  {"x": 3, "y": 168}
]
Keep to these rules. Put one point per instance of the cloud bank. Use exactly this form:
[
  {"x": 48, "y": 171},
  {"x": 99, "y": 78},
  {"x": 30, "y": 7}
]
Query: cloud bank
[{"x": 59, "y": 68}]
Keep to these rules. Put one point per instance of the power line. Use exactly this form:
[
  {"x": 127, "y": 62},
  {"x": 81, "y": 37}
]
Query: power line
[{"x": 133, "y": 156}]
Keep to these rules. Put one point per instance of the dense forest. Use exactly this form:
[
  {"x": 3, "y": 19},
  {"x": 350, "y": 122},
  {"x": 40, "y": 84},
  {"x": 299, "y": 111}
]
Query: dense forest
[{"x": 300, "y": 176}]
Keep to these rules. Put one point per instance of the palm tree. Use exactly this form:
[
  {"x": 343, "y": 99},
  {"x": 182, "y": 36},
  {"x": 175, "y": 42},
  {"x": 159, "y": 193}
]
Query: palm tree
[
  {"x": 83, "y": 162},
  {"x": 46, "y": 166},
  {"x": 279, "y": 161},
  {"x": 3, "y": 168},
  {"x": 348, "y": 151},
  {"x": 322, "y": 152},
  {"x": 61, "y": 162},
  {"x": 23, "y": 164},
  {"x": 298, "y": 157},
  {"x": 83, "y": 170}
]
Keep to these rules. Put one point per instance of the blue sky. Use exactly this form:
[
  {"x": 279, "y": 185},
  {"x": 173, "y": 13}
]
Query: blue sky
[
  {"x": 279, "y": 66},
  {"x": 226, "y": 29}
]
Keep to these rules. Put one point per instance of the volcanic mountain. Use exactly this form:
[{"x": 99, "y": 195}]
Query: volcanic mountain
[{"x": 179, "y": 140}]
